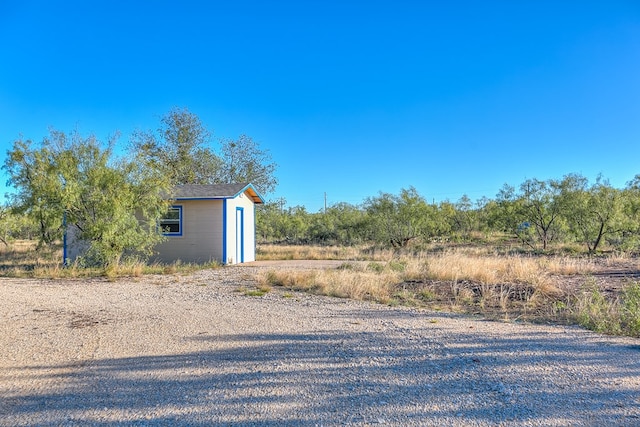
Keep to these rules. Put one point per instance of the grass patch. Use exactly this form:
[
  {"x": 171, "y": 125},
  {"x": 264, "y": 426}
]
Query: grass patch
[
  {"x": 614, "y": 315},
  {"x": 254, "y": 293},
  {"x": 266, "y": 252},
  {"x": 260, "y": 290},
  {"x": 475, "y": 281},
  {"x": 21, "y": 259}
]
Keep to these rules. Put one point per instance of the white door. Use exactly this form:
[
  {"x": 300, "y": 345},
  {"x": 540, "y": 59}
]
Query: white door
[{"x": 239, "y": 235}]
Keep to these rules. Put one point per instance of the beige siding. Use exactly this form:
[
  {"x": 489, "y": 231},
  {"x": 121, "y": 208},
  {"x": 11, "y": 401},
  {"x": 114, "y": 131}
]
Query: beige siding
[{"x": 201, "y": 239}]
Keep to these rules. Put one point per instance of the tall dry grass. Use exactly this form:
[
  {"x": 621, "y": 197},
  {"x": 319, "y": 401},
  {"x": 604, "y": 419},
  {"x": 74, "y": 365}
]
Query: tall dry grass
[
  {"x": 469, "y": 279},
  {"x": 21, "y": 259},
  {"x": 480, "y": 264},
  {"x": 476, "y": 280},
  {"x": 348, "y": 282},
  {"x": 269, "y": 252}
]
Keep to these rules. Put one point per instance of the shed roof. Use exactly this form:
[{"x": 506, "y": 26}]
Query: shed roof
[{"x": 215, "y": 191}]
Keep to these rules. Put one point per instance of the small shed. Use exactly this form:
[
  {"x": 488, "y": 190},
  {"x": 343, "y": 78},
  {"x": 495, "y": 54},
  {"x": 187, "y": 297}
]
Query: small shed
[{"x": 210, "y": 223}]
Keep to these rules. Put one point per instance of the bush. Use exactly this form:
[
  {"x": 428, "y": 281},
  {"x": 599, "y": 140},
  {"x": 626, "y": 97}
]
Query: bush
[
  {"x": 593, "y": 311},
  {"x": 630, "y": 315}
]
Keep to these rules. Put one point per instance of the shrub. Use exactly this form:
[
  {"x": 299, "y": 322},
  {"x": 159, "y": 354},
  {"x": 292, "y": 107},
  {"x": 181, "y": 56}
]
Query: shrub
[
  {"x": 630, "y": 316},
  {"x": 593, "y": 310}
]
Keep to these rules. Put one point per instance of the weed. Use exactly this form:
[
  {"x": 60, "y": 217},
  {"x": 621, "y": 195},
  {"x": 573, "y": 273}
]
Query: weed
[
  {"x": 376, "y": 267},
  {"x": 405, "y": 297},
  {"x": 254, "y": 293},
  {"x": 427, "y": 295},
  {"x": 630, "y": 316},
  {"x": 264, "y": 287},
  {"x": 398, "y": 266},
  {"x": 593, "y": 310}
]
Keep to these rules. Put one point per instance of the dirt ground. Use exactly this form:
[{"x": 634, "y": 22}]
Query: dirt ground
[{"x": 191, "y": 350}]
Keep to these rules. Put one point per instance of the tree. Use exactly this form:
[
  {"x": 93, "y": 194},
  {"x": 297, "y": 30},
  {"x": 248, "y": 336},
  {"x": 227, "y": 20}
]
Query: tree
[
  {"x": 397, "y": 220},
  {"x": 182, "y": 150},
  {"x": 591, "y": 212},
  {"x": 542, "y": 207},
  {"x": 179, "y": 149},
  {"x": 631, "y": 214},
  {"x": 465, "y": 217},
  {"x": 349, "y": 223},
  {"x": 14, "y": 225},
  {"x": 72, "y": 182},
  {"x": 5, "y": 224},
  {"x": 33, "y": 173},
  {"x": 244, "y": 161}
]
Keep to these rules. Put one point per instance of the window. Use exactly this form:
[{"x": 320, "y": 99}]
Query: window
[{"x": 171, "y": 223}]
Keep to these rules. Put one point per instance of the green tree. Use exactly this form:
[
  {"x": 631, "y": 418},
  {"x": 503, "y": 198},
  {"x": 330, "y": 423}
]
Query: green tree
[
  {"x": 349, "y": 223},
  {"x": 296, "y": 225},
  {"x": 277, "y": 223},
  {"x": 630, "y": 229},
  {"x": 33, "y": 173},
  {"x": 542, "y": 208},
  {"x": 15, "y": 225},
  {"x": 465, "y": 218},
  {"x": 397, "y": 220},
  {"x": 506, "y": 213},
  {"x": 267, "y": 217},
  {"x": 113, "y": 205},
  {"x": 242, "y": 160},
  {"x": 180, "y": 149},
  {"x": 593, "y": 212}
]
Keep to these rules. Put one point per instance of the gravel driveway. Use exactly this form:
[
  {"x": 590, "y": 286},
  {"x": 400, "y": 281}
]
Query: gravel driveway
[{"x": 192, "y": 350}]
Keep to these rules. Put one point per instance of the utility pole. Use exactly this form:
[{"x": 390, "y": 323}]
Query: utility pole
[{"x": 325, "y": 202}]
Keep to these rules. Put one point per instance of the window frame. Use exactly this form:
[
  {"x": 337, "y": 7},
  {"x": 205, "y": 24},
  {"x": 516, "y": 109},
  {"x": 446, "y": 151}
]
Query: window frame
[{"x": 177, "y": 208}]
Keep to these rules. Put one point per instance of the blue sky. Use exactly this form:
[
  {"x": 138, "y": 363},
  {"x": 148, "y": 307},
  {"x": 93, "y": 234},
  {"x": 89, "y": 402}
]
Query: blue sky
[{"x": 350, "y": 97}]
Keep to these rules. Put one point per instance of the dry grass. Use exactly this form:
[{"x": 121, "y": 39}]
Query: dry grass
[
  {"x": 480, "y": 264},
  {"x": 21, "y": 259},
  {"x": 349, "y": 282},
  {"x": 476, "y": 280},
  {"x": 465, "y": 279},
  {"x": 452, "y": 282},
  {"x": 297, "y": 252}
]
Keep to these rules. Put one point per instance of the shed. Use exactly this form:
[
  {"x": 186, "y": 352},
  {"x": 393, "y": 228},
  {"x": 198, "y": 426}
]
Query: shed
[
  {"x": 210, "y": 223},
  {"x": 204, "y": 223}
]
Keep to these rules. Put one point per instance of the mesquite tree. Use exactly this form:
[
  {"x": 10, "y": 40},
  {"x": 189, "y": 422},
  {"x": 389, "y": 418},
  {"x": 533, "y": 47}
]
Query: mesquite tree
[{"x": 73, "y": 182}]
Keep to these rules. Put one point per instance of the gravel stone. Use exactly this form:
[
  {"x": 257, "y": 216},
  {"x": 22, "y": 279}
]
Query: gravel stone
[{"x": 190, "y": 350}]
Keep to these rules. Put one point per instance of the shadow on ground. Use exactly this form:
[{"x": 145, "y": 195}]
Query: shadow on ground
[{"x": 358, "y": 378}]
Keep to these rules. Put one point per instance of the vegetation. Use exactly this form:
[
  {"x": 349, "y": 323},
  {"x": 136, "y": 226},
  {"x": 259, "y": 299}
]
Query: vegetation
[
  {"x": 498, "y": 257},
  {"x": 542, "y": 217},
  {"x": 21, "y": 259},
  {"x": 70, "y": 186},
  {"x": 179, "y": 149},
  {"x": 182, "y": 150},
  {"x": 473, "y": 280},
  {"x": 72, "y": 183}
]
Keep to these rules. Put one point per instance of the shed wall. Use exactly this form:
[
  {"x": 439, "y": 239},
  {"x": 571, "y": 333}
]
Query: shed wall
[{"x": 201, "y": 239}]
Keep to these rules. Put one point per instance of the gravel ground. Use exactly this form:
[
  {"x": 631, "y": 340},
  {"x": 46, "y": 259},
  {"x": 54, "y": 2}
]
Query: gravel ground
[{"x": 192, "y": 350}]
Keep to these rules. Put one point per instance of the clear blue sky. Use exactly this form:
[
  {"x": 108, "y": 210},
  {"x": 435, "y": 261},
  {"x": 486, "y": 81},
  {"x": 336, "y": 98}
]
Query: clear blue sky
[{"x": 350, "y": 97}]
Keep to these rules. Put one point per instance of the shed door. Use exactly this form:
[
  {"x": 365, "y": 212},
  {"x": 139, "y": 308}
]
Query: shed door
[{"x": 239, "y": 234}]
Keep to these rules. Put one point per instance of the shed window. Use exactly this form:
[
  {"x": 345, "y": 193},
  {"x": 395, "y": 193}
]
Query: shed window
[{"x": 171, "y": 223}]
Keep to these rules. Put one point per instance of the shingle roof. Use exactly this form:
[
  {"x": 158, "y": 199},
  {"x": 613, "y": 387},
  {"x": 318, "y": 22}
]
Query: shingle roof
[{"x": 215, "y": 191}]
